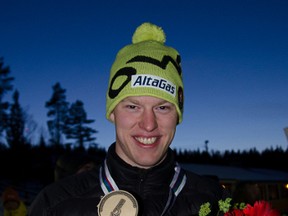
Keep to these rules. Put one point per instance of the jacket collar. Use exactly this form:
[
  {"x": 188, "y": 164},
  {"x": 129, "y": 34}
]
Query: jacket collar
[{"x": 123, "y": 172}]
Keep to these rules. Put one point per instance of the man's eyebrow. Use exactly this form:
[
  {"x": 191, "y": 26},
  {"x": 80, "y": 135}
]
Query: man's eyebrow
[{"x": 128, "y": 100}]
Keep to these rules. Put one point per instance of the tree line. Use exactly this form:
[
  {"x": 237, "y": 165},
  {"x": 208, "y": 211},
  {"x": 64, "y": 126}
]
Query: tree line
[
  {"x": 37, "y": 162},
  {"x": 67, "y": 122}
]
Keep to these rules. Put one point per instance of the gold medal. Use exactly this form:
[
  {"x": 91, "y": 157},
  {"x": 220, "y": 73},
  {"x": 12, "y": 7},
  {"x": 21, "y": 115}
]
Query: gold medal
[{"x": 118, "y": 203}]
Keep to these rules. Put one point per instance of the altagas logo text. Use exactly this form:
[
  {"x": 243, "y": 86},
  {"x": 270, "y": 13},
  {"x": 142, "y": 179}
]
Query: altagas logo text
[{"x": 150, "y": 81}]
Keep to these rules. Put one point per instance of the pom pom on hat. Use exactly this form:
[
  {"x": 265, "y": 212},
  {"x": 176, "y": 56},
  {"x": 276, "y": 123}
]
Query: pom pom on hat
[{"x": 148, "y": 31}]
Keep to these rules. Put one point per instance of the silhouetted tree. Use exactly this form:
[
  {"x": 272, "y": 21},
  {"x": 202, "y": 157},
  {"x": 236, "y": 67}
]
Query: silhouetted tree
[
  {"x": 206, "y": 145},
  {"x": 5, "y": 86},
  {"x": 30, "y": 128},
  {"x": 58, "y": 110},
  {"x": 42, "y": 142},
  {"x": 15, "y": 124},
  {"x": 76, "y": 125}
]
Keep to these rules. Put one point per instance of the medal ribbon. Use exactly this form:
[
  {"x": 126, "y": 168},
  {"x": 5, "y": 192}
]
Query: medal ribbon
[
  {"x": 176, "y": 185},
  {"x": 107, "y": 182},
  {"x": 179, "y": 179}
]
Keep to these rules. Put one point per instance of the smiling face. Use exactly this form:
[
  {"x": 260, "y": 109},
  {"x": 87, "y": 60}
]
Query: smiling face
[{"x": 145, "y": 127}]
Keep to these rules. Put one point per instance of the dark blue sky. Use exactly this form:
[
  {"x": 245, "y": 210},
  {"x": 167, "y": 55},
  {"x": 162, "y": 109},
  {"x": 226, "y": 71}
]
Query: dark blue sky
[{"x": 234, "y": 59}]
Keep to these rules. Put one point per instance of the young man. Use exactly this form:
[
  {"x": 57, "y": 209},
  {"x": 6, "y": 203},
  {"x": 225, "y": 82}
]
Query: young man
[{"x": 139, "y": 175}]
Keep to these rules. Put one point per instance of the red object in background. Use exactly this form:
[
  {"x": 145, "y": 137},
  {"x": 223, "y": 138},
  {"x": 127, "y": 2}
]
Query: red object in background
[
  {"x": 235, "y": 212},
  {"x": 260, "y": 208}
]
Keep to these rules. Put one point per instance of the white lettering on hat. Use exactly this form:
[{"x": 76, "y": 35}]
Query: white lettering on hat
[{"x": 150, "y": 81}]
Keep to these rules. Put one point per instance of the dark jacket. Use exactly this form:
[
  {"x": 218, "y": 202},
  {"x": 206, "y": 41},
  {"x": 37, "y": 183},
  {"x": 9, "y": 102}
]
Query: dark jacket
[{"x": 80, "y": 194}]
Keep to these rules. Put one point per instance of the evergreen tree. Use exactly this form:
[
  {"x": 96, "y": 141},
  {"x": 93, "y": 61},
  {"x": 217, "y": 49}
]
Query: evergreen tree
[
  {"x": 76, "y": 124},
  {"x": 42, "y": 137},
  {"x": 57, "y": 112},
  {"x": 5, "y": 86},
  {"x": 42, "y": 142},
  {"x": 16, "y": 124},
  {"x": 30, "y": 128}
]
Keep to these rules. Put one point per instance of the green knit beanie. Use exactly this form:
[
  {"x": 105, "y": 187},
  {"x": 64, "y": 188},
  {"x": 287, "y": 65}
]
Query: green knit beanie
[{"x": 146, "y": 68}]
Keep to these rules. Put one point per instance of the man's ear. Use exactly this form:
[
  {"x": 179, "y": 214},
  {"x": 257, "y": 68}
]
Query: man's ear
[{"x": 112, "y": 116}]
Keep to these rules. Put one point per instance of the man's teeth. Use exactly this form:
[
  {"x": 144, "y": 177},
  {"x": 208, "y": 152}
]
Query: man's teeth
[{"x": 146, "y": 140}]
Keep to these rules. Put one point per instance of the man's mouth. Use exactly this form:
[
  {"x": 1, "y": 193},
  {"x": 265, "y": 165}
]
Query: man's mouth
[{"x": 145, "y": 140}]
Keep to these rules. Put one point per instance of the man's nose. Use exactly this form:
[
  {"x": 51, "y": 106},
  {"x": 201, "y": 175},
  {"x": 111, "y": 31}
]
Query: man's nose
[{"x": 148, "y": 120}]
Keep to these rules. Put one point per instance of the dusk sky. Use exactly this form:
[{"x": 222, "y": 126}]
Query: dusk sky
[{"x": 234, "y": 61}]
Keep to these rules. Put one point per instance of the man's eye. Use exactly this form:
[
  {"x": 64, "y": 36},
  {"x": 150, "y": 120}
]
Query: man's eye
[
  {"x": 163, "y": 107},
  {"x": 131, "y": 106}
]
